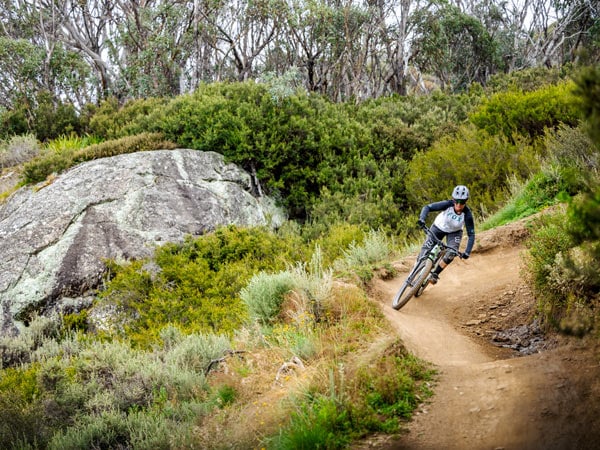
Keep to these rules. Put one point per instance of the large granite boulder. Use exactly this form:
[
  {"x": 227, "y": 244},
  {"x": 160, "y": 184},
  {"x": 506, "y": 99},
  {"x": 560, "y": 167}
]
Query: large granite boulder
[{"x": 55, "y": 236}]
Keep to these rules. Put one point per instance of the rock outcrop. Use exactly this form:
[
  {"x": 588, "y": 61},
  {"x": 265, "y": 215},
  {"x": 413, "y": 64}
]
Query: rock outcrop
[{"x": 55, "y": 236}]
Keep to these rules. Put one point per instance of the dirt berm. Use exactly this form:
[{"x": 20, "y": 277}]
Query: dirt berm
[{"x": 539, "y": 392}]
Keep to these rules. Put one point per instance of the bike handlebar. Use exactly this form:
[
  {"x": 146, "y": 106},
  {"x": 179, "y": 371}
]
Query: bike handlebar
[{"x": 428, "y": 231}]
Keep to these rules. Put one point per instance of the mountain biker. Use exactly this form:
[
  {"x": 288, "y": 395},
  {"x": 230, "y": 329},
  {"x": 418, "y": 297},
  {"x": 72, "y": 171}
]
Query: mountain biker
[{"x": 449, "y": 223}]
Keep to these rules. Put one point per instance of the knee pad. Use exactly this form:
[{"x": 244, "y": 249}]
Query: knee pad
[{"x": 448, "y": 257}]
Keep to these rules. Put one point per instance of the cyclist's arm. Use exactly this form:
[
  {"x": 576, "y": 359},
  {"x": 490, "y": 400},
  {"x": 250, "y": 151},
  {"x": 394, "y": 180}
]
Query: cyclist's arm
[
  {"x": 470, "y": 226},
  {"x": 436, "y": 206}
]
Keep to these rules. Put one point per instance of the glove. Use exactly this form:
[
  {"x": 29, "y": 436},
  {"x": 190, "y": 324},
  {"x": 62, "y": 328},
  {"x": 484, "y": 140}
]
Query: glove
[
  {"x": 465, "y": 256},
  {"x": 421, "y": 223}
]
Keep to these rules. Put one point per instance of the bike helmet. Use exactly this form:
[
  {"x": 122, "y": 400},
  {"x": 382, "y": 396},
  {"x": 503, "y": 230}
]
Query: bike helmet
[{"x": 460, "y": 192}]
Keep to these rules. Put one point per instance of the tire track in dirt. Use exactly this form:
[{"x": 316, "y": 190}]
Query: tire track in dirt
[{"x": 485, "y": 397}]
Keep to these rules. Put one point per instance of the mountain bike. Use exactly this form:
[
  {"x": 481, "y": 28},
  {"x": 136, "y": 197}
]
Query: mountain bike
[{"x": 419, "y": 276}]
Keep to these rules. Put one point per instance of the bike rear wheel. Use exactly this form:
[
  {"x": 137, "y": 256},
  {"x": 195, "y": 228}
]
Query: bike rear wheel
[{"x": 409, "y": 289}]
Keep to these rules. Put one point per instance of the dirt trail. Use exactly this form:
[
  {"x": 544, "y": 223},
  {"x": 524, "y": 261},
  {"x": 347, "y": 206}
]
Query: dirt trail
[{"x": 488, "y": 397}]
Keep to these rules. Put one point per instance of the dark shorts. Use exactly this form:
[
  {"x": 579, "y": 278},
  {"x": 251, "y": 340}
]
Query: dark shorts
[{"x": 452, "y": 240}]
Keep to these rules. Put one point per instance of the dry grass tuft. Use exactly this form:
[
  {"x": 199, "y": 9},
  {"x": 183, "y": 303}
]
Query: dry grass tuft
[{"x": 352, "y": 325}]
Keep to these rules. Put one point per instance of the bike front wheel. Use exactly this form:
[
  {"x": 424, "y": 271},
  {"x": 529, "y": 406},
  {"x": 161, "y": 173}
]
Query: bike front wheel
[{"x": 411, "y": 286}]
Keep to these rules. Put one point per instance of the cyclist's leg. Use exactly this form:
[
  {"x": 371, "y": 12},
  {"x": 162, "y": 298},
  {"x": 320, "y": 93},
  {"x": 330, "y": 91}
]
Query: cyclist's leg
[
  {"x": 428, "y": 244},
  {"x": 453, "y": 241}
]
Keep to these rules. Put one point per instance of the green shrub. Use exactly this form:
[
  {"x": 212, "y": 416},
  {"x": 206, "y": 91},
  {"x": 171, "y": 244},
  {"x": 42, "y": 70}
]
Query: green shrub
[
  {"x": 370, "y": 400},
  {"x": 109, "y": 429},
  {"x": 570, "y": 163},
  {"x": 14, "y": 352},
  {"x": 40, "y": 168},
  {"x": 154, "y": 431},
  {"x": 283, "y": 142},
  {"x": 375, "y": 248},
  {"x": 391, "y": 393},
  {"x": 313, "y": 282},
  {"x": 402, "y": 125},
  {"x": 17, "y": 150},
  {"x": 109, "y": 121},
  {"x": 371, "y": 196},
  {"x": 53, "y": 118},
  {"x": 197, "y": 284},
  {"x": 320, "y": 424},
  {"x": 111, "y": 376},
  {"x": 572, "y": 148},
  {"x": 18, "y": 350},
  {"x": 552, "y": 185},
  {"x": 226, "y": 395},
  {"x": 14, "y": 122},
  {"x": 323, "y": 161},
  {"x": 588, "y": 92},
  {"x": 334, "y": 239},
  {"x": 265, "y": 293},
  {"x": 55, "y": 162},
  {"x": 83, "y": 393},
  {"x": 483, "y": 162},
  {"x": 561, "y": 264},
  {"x": 579, "y": 267},
  {"x": 363, "y": 258},
  {"x": 584, "y": 216},
  {"x": 194, "y": 352},
  {"x": 549, "y": 238},
  {"x": 45, "y": 117},
  {"x": 527, "y": 80},
  {"x": 74, "y": 322},
  {"x": 23, "y": 424},
  {"x": 574, "y": 277},
  {"x": 528, "y": 113},
  {"x": 139, "y": 430}
]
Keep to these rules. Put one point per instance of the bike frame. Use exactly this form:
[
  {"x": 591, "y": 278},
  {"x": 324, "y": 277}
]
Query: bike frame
[{"x": 418, "y": 278}]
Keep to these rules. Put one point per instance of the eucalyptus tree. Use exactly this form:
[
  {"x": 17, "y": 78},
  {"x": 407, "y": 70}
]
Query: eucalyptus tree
[
  {"x": 86, "y": 27},
  {"x": 454, "y": 46},
  {"x": 43, "y": 83},
  {"x": 307, "y": 41},
  {"x": 561, "y": 29},
  {"x": 33, "y": 60},
  {"x": 153, "y": 42},
  {"x": 239, "y": 33},
  {"x": 549, "y": 32},
  {"x": 136, "y": 48},
  {"x": 392, "y": 53},
  {"x": 84, "y": 51},
  {"x": 346, "y": 49}
]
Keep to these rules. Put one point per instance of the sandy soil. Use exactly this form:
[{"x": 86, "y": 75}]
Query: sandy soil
[{"x": 488, "y": 397}]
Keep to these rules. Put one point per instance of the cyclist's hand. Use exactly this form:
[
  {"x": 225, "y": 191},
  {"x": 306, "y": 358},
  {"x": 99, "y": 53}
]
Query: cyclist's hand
[
  {"x": 464, "y": 256},
  {"x": 421, "y": 223}
]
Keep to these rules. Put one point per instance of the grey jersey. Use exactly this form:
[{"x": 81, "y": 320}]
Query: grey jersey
[{"x": 448, "y": 221}]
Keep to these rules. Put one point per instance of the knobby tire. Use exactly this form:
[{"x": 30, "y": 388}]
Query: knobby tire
[
  {"x": 407, "y": 291},
  {"x": 421, "y": 289}
]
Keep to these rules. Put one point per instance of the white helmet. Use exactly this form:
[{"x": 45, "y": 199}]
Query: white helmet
[{"x": 460, "y": 192}]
